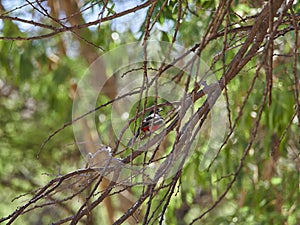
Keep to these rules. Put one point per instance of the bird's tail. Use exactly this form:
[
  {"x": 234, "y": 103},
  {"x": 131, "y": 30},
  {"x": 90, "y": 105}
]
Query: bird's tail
[{"x": 132, "y": 140}]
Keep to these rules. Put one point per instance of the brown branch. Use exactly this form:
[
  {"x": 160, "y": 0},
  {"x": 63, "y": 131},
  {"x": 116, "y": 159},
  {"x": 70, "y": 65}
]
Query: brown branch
[
  {"x": 240, "y": 113},
  {"x": 256, "y": 39},
  {"x": 32, "y": 22},
  {"x": 136, "y": 205},
  {"x": 44, "y": 191},
  {"x": 295, "y": 63},
  {"x": 169, "y": 194},
  {"x": 224, "y": 63},
  {"x": 242, "y": 160},
  {"x": 74, "y": 27}
]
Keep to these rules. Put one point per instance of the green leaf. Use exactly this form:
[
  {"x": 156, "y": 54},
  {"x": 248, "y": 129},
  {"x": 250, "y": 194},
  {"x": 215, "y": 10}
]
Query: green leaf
[
  {"x": 60, "y": 75},
  {"x": 110, "y": 10},
  {"x": 165, "y": 36},
  {"x": 26, "y": 68},
  {"x": 276, "y": 180}
]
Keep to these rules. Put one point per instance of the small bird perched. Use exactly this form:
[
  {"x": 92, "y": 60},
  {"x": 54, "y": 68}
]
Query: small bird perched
[{"x": 149, "y": 124}]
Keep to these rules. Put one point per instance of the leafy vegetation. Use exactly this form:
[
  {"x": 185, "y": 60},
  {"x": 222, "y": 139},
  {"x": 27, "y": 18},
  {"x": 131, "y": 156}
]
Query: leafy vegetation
[{"x": 254, "y": 178}]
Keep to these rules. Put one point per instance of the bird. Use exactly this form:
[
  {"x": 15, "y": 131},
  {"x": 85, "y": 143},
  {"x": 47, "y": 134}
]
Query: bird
[{"x": 150, "y": 124}]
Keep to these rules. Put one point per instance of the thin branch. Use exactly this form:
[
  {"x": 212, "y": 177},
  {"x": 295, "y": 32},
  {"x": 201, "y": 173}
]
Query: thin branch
[{"x": 242, "y": 160}]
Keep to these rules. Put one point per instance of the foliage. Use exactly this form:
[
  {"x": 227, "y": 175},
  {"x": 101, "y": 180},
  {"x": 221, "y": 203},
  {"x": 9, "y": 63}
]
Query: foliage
[{"x": 255, "y": 177}]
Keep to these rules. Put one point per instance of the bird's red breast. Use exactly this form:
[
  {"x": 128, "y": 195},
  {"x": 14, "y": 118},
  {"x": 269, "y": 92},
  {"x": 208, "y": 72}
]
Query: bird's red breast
[{"x": 151, "y": 128}]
